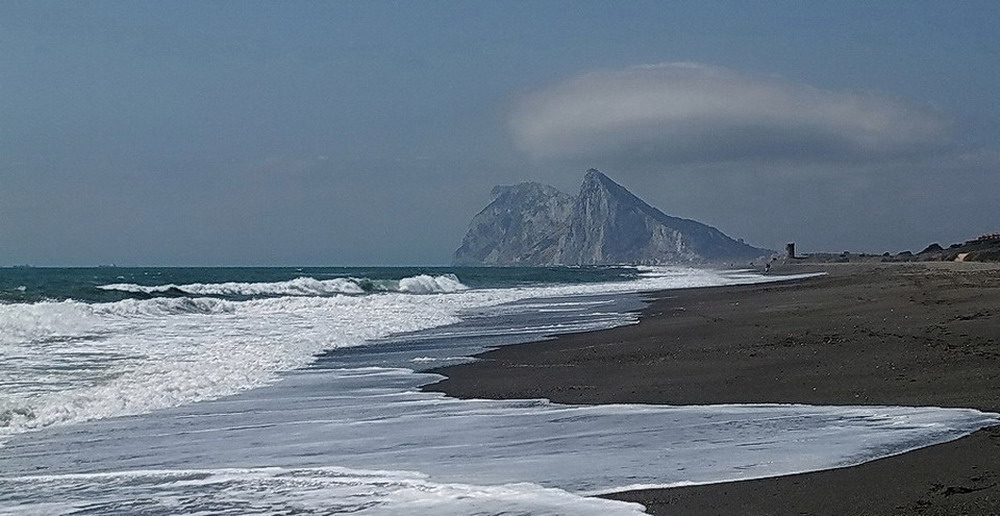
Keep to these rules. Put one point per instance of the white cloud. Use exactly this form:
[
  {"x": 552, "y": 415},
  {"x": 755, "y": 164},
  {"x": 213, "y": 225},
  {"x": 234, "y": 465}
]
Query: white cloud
[{"x": 688, "y": 112}]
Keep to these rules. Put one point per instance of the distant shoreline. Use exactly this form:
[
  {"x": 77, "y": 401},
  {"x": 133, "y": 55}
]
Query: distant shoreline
[{"x": 873, "y": 333}]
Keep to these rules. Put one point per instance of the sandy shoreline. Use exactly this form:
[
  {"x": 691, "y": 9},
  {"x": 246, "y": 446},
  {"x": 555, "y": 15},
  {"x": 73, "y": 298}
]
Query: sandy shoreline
[{"x": 899, "y": 334}]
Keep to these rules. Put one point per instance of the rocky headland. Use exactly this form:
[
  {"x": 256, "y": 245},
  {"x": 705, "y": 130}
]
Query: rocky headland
[{"x": 531, "y": 224}]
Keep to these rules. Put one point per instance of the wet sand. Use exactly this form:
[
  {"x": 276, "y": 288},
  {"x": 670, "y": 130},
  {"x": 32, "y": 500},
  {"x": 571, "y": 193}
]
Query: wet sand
[{"x": 892, "y": 334}]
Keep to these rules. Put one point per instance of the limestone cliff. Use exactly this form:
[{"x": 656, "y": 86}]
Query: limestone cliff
[
  {"x": 520, "y": 226},
  {"x": 534, "y": 224}
]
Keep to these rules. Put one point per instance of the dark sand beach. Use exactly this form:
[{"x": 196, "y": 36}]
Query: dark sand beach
[{"x": 886, "y": 334}]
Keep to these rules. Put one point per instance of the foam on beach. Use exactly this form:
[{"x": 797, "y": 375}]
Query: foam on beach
[
  {"x": 278, "y": 429},
  {"x": 74, "y": 361},
  {"x": 298, "y": 491}
]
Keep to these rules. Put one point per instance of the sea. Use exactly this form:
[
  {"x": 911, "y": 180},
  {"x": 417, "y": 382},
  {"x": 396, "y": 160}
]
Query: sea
[{"x": 155, "y": 391}]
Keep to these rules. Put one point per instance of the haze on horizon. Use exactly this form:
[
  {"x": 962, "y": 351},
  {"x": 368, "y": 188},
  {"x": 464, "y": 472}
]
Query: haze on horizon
[{"x": 370, "y": 133}]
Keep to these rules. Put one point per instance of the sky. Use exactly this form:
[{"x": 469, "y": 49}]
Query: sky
[{"x": 369, "y": 133}]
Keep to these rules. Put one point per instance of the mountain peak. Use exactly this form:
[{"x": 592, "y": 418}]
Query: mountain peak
[
  {"x": 595, "y": 176},
  {"x": 534, "y": 224}
]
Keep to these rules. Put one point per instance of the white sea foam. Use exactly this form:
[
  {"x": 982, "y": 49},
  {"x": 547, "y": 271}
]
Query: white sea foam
[
  {"x": 83, "y": 362},
  {"x": 300, "y": 491},
  {"x": 76, "y": 362},
  {"x": 257, "y": 452},
  {"x": 254, "y": 448}
]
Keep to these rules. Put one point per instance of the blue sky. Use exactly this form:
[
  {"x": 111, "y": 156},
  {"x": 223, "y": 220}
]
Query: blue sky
[{"x": 253, "y": 133}]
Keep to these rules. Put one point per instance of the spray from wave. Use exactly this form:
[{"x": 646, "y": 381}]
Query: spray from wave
[{"x": 304, "y": 286}]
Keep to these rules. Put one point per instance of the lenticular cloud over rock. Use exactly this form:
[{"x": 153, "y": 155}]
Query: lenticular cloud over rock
[{"x": 687, "y": 112}]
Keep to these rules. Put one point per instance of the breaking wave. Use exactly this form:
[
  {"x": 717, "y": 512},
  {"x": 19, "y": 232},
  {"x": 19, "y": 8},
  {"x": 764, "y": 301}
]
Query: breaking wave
[
  {"x": 304, "y": 286},
  {"x": 70, "y": 361}
]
